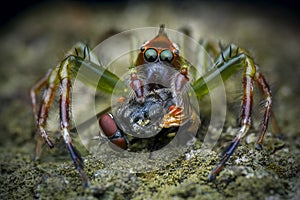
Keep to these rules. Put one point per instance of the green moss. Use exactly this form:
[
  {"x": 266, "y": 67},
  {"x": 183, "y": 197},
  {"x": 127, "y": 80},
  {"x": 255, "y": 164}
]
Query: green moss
[{"x": 249, "y": 174}]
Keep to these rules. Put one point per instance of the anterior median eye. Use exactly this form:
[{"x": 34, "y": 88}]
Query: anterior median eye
[
  {"x": 166, "y": 55},
  {"x": 151, "y": 55}
]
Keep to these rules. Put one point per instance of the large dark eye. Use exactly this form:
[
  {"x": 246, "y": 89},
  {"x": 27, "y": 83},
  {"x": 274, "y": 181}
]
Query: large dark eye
[
  {"x": 150, "y": 55},
  {"x": 166, "y": 55}
]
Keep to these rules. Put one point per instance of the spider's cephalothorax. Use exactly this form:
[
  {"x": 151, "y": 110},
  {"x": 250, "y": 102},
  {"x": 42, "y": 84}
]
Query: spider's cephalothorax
[
  {"x": 162, "y": 51},
  {"x": 159, "y": 102}
]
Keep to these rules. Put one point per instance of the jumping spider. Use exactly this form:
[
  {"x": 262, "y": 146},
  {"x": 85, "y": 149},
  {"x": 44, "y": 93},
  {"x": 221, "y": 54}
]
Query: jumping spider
[{"x": 158, "y": 78}]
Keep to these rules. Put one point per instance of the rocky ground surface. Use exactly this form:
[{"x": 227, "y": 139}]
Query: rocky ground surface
[{"x": 37, "y": 39}]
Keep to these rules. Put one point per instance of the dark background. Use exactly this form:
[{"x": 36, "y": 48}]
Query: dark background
[{"x": 12, "y": 9}]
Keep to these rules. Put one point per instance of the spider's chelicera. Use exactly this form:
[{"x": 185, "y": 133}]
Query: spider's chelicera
[{"x": 159, "y": 103}]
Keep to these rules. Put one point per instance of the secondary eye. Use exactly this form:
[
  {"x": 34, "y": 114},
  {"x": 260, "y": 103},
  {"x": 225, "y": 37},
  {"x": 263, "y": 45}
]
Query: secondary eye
[
  {"x": 151, "y": 55},
  {"x": 166, "y": 55}
]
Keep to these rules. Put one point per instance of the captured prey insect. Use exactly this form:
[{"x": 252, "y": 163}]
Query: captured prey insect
[{"x": 161, "y": 81}]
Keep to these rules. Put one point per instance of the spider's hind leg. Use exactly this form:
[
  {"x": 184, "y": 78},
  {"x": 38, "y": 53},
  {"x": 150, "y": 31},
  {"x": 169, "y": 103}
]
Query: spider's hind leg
[
  {"x": 50, "y": 81},
  {"x": 59, "y": 75},
  {"x": 230, "y": 60}
]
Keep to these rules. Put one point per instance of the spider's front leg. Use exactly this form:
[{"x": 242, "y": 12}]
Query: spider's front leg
[
  {"x": 50, "y": 82},
  {"x": 176, "y": 116},
  {"x": 62, "y": 76},
  {"x": 230, "y": 61}
]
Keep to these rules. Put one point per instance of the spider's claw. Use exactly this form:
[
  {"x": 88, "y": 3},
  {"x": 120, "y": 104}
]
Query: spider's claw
[
  {"x": 211, "y": 177},
  {"x": 225, "y": 156},
  {"x": 49, "y": 142},
  {"x": 44, "y": 135},
  {"x": 75, "y": 155},
  {"x": 78, "y": 162},
  {"x": 213, "y": 174},
  {"x": 258, "y": 146}
]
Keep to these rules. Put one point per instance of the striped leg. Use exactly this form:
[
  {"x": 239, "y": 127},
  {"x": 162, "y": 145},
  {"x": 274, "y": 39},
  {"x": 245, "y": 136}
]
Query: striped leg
[
  {"x": 229, "y": 62},
  {"x": 49, "y": 81},
  {"x": 248, "y": 78}
]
